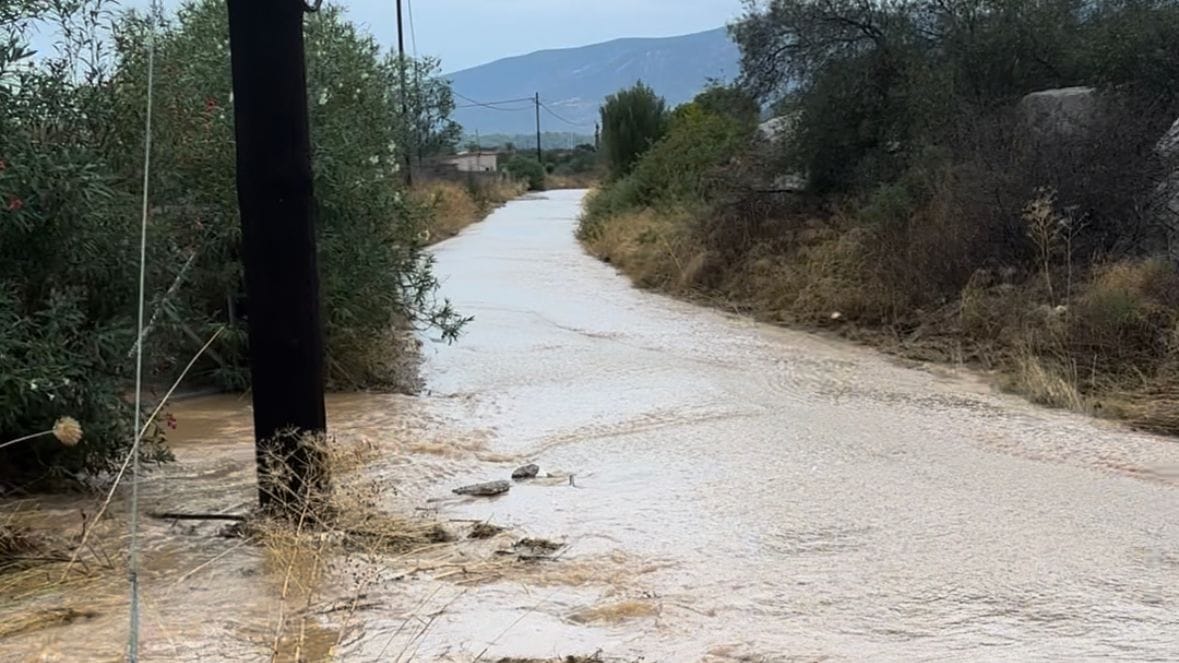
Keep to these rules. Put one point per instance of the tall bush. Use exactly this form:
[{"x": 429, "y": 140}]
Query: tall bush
[
  {"x": 684, "y": 168},
  {"x": 876, "y": 83},
  {"x": 71, "y": 146},
  {"x": 374, "y": 273},
  {"x": 67, "y": 259},
  {"x": 633, "y": 120},
  {"x": 526, "y": 169}
]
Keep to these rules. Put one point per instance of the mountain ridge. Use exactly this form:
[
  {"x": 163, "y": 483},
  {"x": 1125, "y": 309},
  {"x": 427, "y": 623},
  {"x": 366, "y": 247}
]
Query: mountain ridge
[{"x": 573, "y": 82}]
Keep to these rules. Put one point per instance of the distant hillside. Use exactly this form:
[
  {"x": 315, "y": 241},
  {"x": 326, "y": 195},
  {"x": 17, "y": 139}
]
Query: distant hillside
[
  {"x": 574, "y": 81},
  {"x": 549, "y": 140}
]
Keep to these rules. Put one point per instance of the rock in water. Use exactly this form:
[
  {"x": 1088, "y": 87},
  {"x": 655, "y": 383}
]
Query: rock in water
[
  {"x": 488, "y": 489},
  {"x": 528, "y": 471}
]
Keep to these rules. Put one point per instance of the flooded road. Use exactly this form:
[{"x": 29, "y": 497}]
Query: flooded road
[
  {"x": 787, "y": 497},
  {"x": 726, "y": 490}
]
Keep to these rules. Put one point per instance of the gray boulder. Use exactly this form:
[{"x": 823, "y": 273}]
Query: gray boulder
[
  {"x": 771, "y": 134},
  {"x": 528, "y": 471},
  {"x": 776, "y": 129},
  {"x": 1060, "y": 113},
  {"x": 1168, "y": 145},
  {"x": 1166, "y": 194}
]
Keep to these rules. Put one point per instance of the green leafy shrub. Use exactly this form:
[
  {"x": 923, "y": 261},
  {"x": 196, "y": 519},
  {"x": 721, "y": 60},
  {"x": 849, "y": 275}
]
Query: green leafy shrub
[
  {"x": 71, "y": 150},
  {"x": 682, "y": 169},
  {"x": 526, "y": 169},
  {"x": 633, "y": 120},
  {"x": 611, "y": 200},
  {"x": 67, "y": 259}
]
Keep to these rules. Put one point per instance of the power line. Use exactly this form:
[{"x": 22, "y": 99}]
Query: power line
[
  {"x": 413, "y": 36},
  {"x": 493, "y": 105},
  {"x": 481, "y": 103},
  {"x": 556, "y": 115}
]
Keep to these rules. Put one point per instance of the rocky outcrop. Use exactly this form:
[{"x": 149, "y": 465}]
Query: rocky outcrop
[
  {"x": 776, "y": 129},
  {"x": 772, "y": 134},
  {"x": 1069, "y": 116},
  {"x": 1166, "y": 199},
  {"x": 1168, "y": 146},
  {"x": 1061, "y": 113}
]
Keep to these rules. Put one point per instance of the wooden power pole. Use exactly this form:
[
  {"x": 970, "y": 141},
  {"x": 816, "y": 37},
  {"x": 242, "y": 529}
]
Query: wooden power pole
[
  {"x": 274, "y": 189},
  {"x": 409, "y": 131},
  {"x": 539, "y": 155}
]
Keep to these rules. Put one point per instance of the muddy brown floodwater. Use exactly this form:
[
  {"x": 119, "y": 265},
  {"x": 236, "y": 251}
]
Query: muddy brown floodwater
[{"x": 739, "y": 492}]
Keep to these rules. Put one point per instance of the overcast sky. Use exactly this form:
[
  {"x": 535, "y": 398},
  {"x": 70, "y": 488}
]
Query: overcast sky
[{"x": 465, "y": 33}]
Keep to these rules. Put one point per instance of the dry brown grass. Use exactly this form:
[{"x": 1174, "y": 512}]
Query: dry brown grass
[
  {"x": 579, "y": 181},
  {"x": 452, "y": 206},
  {"x": 1041, "y": 381},
  {"x": 571, "y": 658},
  {"x": 1111, "y": 348},
  {"x": 38, "y": 620},
  {"x": 350, "y": 527},
  {"x": 322, "y": 562},
  {"x": 615, "y": 613},
  {"x": 649, "y": 247}
]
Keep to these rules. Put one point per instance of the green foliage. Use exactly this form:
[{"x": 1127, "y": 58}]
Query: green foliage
[
  {"x": 681, "y": 169},
  {"x": 526, "y": 169},
  {"x": 873, "y": 84},
  {"x": 67, "y": 260},
  {"x": 731, "y": 101},
  {"x": 71, "y": 149},
  {"x": 579, "y": 161},
  {"x": 58, "y": 362},
  {"x": 633, "y": 120},
  {"x": 374, "y": 273},
  {"x": 614, "y": 199},
  {"x": 430, "y": 101},
  {"x": 683, "y": 166}
]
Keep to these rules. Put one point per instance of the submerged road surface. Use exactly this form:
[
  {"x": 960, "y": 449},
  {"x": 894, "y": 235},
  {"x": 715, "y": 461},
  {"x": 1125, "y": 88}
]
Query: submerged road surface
[
  {"x": 753, "y": 493},
  {"x": 725, "y": 490}
]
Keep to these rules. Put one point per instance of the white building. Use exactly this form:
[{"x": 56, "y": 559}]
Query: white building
[{"x": 475, "y": 162}]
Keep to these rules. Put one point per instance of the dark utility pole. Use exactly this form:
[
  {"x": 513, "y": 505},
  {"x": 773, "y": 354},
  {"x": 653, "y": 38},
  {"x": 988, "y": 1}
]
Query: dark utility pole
[
  {"x": 404, "y": 100},
  {"x": 278, "y": 245},
  {"x": 597, "y": 136},
  {"x": 539, "y": 156}
]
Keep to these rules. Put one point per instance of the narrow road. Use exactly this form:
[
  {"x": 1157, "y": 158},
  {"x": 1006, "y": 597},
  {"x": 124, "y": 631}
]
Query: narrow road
[{"x": 743, "y": 492}]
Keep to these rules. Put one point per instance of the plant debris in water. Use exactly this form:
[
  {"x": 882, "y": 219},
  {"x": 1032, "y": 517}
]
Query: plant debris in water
[
  {"x": 484, "y": 531},
  {"x": 15, "y": 541},
  {"x": 614, "y": 613},
  {"x": 596, "y": 657},
  {"x": 541, "y": 545},
  {"x": 399, "y": 538},
  {"x": 42, "y": 619},
  {"x": 533, "y": 549}
]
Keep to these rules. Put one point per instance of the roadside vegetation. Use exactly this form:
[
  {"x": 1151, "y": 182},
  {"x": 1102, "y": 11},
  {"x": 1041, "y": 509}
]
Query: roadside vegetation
[
  {"x": 904, "y": 189},
  {"x": 71, "y": 158},
  {"x": 453, "y": 206},
  {"x": 577, "y": 168}
]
